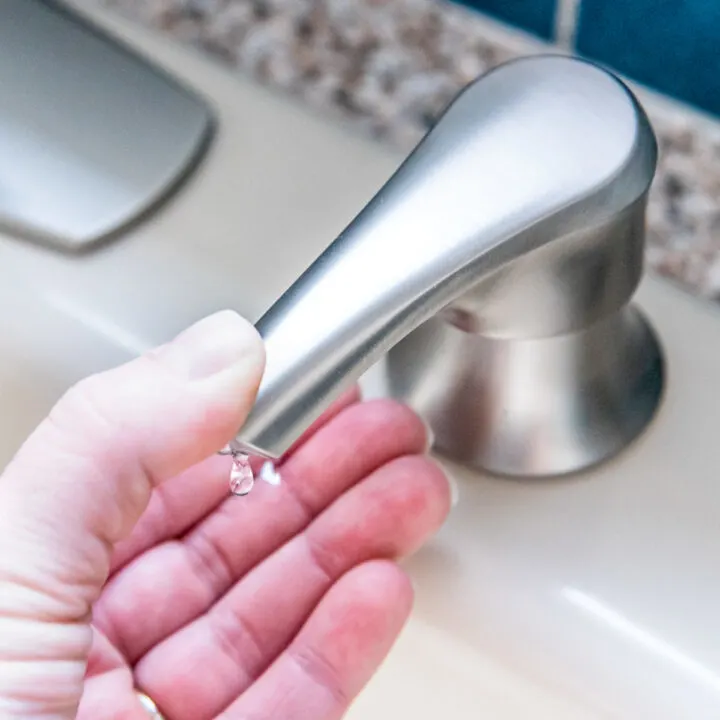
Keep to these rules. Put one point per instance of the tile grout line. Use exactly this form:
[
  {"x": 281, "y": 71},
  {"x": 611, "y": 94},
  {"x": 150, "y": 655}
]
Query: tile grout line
[{"x": 566, "y": 21}]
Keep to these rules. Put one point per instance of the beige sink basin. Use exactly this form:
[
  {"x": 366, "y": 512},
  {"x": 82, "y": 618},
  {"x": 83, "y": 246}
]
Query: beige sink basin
[{"x": 594, "y": 597}]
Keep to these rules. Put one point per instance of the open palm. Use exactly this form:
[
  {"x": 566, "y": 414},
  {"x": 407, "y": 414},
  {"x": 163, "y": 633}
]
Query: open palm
[{"x": 277, "y": 605}]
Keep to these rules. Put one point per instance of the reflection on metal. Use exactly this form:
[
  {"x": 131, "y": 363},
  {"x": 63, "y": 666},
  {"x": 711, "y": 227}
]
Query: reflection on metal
[
  {"x": 92, "y": 137},
  {"x": 519, "y": 224}
]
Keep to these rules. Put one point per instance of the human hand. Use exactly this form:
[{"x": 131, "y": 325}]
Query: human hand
[{"x": 124, "y": 563}]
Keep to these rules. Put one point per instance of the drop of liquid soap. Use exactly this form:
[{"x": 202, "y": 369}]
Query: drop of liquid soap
[{"x": 241, "y": 475}]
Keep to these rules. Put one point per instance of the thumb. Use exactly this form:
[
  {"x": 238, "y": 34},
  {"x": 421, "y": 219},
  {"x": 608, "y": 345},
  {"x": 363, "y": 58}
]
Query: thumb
[{"x": 82, "y": 480}]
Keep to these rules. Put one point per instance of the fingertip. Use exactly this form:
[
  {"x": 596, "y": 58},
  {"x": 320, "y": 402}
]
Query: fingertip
[
  {"x": 376, "y": 425},
  {"x": 216, "y": 344},
  {"x": 360, "y": 619},
  {"x": 423, "y": 490},
  {"x": 226, "y": 359},
  {"x": 392, "y": 412},
  {"x": 452, "y": 485},
  {"x": 382, "y": 584},
  {"x": 441, "y": 477}
]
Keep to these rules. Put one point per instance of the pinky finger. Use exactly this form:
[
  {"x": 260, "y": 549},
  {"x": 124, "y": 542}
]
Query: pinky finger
[{"x": 337, "y": 651}]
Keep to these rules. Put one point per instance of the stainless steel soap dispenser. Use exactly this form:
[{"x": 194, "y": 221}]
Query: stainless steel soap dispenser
[{"x": 496, "y": 268}]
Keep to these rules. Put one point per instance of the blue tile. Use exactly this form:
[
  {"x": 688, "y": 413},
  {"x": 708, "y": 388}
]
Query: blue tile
[
  {"x": 537, "y": 16},
  {"x": 671, "y": 45}
]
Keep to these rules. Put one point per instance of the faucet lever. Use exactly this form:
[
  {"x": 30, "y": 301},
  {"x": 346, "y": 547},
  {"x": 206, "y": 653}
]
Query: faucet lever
[{"x": 520, "y": 216}]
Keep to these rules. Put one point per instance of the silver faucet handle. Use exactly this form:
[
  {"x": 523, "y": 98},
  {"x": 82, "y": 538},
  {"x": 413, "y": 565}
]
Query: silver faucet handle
[{"x": 532, "y": 156}]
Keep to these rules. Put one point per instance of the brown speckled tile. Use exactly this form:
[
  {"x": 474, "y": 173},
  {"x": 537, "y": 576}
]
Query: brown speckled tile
[{"x": 392, "y": 65}]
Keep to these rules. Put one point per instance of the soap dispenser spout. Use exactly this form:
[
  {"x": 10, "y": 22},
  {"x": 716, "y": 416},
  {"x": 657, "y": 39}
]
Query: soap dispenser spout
[{"x": 518, "y": 219}]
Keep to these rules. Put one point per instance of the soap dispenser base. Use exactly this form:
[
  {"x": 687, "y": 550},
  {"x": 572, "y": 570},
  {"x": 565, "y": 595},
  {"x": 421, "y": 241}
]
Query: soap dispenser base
[{"x": 534, "y": 407}]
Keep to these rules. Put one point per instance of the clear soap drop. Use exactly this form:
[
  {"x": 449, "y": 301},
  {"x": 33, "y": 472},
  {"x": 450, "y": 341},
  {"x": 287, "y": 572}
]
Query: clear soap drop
[{"x": 241, "y": 475}]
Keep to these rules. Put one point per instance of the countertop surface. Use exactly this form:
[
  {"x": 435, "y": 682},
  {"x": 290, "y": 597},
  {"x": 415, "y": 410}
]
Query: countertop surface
[{"x": 391, "y": 66}]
